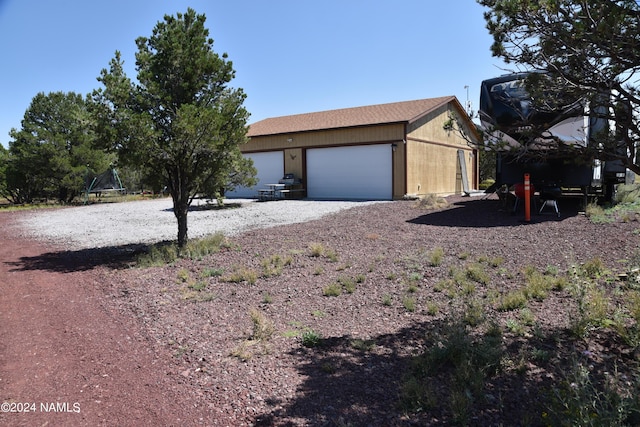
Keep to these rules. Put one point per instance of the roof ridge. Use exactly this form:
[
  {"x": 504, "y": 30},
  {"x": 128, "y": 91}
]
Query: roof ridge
[
  {"x": 391, "y": 112},
  {"x": 445, "y": 99}
]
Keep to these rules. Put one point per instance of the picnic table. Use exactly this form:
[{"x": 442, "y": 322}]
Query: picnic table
[
  {"x": 271, "y": 192},
  {"x": 281, "y": 191}
]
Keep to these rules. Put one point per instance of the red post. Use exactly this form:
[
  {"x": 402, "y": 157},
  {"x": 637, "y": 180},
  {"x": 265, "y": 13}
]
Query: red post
[{"x": 527, "y": 198}]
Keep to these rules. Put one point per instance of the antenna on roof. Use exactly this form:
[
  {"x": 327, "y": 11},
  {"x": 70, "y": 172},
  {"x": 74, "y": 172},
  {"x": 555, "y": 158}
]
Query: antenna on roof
[{"x": 468, "y": 104}]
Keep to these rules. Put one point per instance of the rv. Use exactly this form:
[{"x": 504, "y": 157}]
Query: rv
[{"x": 512, "y": 123}]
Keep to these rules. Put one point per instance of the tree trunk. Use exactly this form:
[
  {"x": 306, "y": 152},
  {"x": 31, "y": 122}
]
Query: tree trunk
[
  {"x": 181, "y": 216},
  {"x": 178, "y": 186},
  {"x": 180, "y": 210}
]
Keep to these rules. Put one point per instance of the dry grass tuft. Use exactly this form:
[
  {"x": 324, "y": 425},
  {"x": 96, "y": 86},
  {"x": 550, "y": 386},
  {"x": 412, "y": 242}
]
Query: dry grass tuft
[{"x": 432, "y": 202}]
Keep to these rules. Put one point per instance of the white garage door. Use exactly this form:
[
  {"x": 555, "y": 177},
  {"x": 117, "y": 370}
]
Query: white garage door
[
  {"x": 359, "y": 172},
  {"x": 270, "y": 167}
]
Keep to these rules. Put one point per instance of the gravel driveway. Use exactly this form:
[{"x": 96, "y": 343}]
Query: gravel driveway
[{"x": 150, "y": 221}]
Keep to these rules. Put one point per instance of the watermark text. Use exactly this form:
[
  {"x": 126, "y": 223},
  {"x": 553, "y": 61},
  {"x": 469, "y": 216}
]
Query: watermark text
[{"x": 46, "y": 407}]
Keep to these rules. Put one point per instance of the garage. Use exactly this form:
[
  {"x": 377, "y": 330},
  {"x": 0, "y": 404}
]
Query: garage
[
  {"x": 374, "y": 152},
  {"x": 351, "y": 172},
  {"x": 270, "y": 167}
]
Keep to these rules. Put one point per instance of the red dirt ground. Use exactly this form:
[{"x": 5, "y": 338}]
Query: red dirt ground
[
  {"x": 66, "y": 360},
  {"x": 116, "y": 346}
]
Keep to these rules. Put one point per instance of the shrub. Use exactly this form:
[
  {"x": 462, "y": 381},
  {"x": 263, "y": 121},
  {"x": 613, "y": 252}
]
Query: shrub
[
  {"x": 263, "y": 328},
  {"x": 496, "y": 261},
  {"x": 468, "y": 288},
  {"x": 316, "y": 250},
  {"x": 311, "y": 338},
  {"x": 436, "y": 256},
  {"x": 538, "y": 287},
  {"x": 212, "y": 272},
  {"x": 198, "y": 286},
  {"x": 409, "y": 304},
  {"x": 486, "y": 183},
  {"x": 593, "y": 309},
  {"x": 476, "y": 273},
  {"x": 332, "y": 290},
  {"x": 597, "y": 214},
  {"x": 348, "y": 284},
  {"x": 415, "y": 277},
  {"x": 443, "y": 284},
  {"x": 474, "y": 314},
  {"x": 432, "y": 309},
  {"x": 515, "y": 327},
  {"x": 386, "y": 300},
  {"x": 463, "y": 361},
  {"x": 512, "y": 301},
  {"x": 197, "y": 248},
  {"x": 273, "y": 265},
  {"x": 527, "y": 317},
  {"x": 363, "y": 345},
  {"x": 261, "y": 332},
  {"x": 593, "y": 268},
  {"x": 166, "y": 253},
  {"x": 183, "y": 275},
  {"x": 432, "y": 201},
  {"x": 458, "y": 276},
  {"x": 331, "y": 255},
  {"x": 158, "y": 254},
  {"x": 197, "y": 293},
  {"x": 628, "y": 194},
  {"x": 243, "y": 275},
  {"x": 581, "y": 400}
]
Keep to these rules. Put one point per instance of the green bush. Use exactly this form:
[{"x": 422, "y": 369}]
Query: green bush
[
  {"x": 512, "y": 301},
  {"x": 311, "y": 338},
  {"x": 409, "y": 304},
  {"x": 477, "y": 273},
  {"x": 436, "y": 256},
  {"x": 332, "y": 290},
  {"x": 166, "y": 253}
]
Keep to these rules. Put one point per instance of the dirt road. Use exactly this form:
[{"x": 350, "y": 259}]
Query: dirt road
[{"x": 66, "y": 360}]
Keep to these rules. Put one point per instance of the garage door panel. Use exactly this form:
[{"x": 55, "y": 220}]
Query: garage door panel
[
  {"x": 270, "y": 169},
  {"x": 357, "y": 172}
]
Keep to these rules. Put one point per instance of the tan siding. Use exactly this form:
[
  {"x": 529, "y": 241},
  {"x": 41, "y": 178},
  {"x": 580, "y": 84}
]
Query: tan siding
[
  {"x": 431, "y": 128},
  {"x": 435, "y": 169},
  {"x": 432, "y": 159},
  {"x": 399, "y": 184},
  {"x": 294, "y": 162},
  {"x": 327, "y": 138}
]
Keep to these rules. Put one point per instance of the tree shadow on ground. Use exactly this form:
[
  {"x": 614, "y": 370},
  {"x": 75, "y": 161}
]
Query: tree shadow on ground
[
  {"x": 486, "y": 213},
  {"x": 348, "y": 382},
  {"x": 69, "y": 261}
]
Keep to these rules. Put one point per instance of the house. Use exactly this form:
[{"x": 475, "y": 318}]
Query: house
[{"x": 376, "y": 152}]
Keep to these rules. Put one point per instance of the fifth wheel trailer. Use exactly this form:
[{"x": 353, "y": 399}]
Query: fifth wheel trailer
[{"x": 507, "y": 114}]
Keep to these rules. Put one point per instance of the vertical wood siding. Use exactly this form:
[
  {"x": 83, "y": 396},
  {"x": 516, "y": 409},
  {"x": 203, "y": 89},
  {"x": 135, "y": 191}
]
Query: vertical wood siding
[{"x": 424, "y": 161}]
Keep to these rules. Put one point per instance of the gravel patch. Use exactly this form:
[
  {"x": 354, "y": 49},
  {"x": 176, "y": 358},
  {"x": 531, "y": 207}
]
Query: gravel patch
[{"x": 151, "y": 221}]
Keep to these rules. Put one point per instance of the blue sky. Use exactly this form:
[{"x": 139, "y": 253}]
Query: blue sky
[{"x": 290, "y": 56}]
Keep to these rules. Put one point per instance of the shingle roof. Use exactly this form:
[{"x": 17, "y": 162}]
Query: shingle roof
[{"x": 396, "y": 112}]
